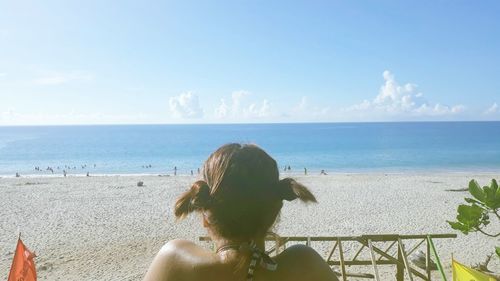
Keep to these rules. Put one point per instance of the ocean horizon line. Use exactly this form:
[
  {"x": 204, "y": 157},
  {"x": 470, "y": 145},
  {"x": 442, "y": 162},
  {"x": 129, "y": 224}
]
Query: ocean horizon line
[{"x": 252, "y": 123}]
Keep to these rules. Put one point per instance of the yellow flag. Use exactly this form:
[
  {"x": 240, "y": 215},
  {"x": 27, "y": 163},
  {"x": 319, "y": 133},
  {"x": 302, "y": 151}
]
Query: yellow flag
[{"x": 464, "y": 273}]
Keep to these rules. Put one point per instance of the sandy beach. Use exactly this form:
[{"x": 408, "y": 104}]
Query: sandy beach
[{"x": 108, "y": 228}]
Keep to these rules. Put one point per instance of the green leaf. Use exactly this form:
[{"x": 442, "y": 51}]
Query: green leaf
[
  {"x": 497, "y": 250},
  {"x": 494, "y": 185},
  {"x": 489, "y": 193},
  {"x": 473, "y": 201},
  {"x": 497, "y": 196},
  {"x": 470, "y": 216},
  {"x": 459, "y": 226},
  {"x": 491, "y": 199},
  {"x": 476, "y": 191}
]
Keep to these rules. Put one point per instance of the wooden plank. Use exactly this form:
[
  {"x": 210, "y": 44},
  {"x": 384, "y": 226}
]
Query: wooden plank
[
  {"x": 400, "y": 268},
  {"x": 341, "y": 256},
  {"x": 389, "y": 257},
  {"x": 415, "y": 247},
  {"x": 438, "y": 262},
  {"x": 355, "y": 238},
  {"x": 388, "y": 248},
  {"x": 374, "y": 262},
  {"x": 381, "y": 237},
  {"x": 358, "y": 262},
  {"x": 433, "y": 236},
  {"x": 428, "y": 260},
  {"x": 358, "y": 252},
  {"x": 332, "y": 251},
  {"x": 405, "y": 259}
]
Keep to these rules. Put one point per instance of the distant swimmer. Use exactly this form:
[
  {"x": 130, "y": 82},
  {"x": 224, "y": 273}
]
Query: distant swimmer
[
  {"x": 191, "y": 172},
  {"x": 198, "y": 171},
  {"x": 175, "y": 171},
  {"x": 64, "y": 173},
  {"x": 323, "y": 172},
  {"x": 88, "y": 175},
  {"x": 17, "y": 175}
]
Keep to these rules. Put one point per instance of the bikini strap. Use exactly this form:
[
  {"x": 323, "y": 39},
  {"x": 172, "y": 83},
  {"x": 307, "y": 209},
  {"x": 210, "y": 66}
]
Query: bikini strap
[{"x": 258, "y": 257}]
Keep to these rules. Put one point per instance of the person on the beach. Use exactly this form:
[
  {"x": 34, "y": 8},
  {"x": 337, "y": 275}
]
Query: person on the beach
[{"x": 238, "y": 199}]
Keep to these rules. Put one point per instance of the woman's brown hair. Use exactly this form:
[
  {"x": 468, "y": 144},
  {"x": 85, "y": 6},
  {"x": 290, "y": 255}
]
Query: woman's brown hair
[{"x": 241, "y": 193}]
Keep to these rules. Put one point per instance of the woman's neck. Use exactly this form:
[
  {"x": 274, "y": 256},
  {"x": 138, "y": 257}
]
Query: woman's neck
[{"x": 221, "y": 244}]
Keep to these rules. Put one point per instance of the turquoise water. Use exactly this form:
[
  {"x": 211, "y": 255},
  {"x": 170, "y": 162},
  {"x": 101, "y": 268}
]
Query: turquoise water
[{"x": 335, "y": 147}]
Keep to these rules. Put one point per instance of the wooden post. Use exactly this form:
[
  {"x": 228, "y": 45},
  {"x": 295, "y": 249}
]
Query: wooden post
[
  {"x": 400, "y": 274},
  {"x": 405, "y": 260},
  {"x": 341, "y": 256},
  {"x": 374, "y": 262},
  {"x": 428, "y": 260},
  {"x": 438, "y": 262}
]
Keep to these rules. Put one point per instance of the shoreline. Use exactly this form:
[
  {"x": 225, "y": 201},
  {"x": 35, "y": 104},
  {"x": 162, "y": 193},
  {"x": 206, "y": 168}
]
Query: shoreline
[{"x": 312, "y": 173}]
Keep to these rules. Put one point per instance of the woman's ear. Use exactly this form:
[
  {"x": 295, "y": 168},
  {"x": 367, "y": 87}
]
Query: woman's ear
[{"x": 205, "y": 221}]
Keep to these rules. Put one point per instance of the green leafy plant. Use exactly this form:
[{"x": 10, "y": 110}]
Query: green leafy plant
[{"x": 475, "y": 216}]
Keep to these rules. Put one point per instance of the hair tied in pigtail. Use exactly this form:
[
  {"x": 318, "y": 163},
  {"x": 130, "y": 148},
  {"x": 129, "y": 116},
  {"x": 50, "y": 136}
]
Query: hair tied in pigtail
[
  {"x": 196, "y": 198},
  {"x": 291, "y": 190},
  {"x": 285, "y": 189},
  {"x": 200, "y": 195}
]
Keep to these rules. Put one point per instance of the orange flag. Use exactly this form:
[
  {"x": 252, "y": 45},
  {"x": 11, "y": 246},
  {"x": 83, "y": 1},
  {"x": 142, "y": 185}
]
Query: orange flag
[{"x": 23, "y": 265}]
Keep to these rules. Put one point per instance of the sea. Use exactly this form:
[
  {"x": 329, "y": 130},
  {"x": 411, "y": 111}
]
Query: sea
[{"x": 182, "y": 149}]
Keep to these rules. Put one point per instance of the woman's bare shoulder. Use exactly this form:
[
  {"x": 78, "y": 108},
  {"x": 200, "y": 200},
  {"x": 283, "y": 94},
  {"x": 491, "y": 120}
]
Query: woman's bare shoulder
[
  {"x": 305, "y": 263},
  {"x": 171, "y": 261}
]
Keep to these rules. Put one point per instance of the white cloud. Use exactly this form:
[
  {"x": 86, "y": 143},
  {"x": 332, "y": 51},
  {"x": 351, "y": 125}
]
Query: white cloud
[
  {"x": 305, "y": 110},
  {"x": 58, "y": 78},
  {"x": 8, "y": 116},
  {"x": 255, "y": 110},
  {"x": 186, "y": 106},
  {"x": 302, "y": 104},
  {"x": 492, "y": 109},
  {"x": 222, "y": 110},
  {"x": 401, "y": 100},
  {"x": 240, "y": 108}
]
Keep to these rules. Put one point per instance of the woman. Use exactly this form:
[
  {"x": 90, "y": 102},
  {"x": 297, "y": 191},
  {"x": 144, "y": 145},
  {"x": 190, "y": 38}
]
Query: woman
[{"x": 239, "y": 200}]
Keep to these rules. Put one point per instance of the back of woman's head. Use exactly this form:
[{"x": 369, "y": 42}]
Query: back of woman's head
[{"x": 241, "y": 193}]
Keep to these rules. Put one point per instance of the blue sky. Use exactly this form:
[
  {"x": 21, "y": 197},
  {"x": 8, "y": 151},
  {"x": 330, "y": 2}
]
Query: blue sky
[{"x": 102, "y": 62}]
